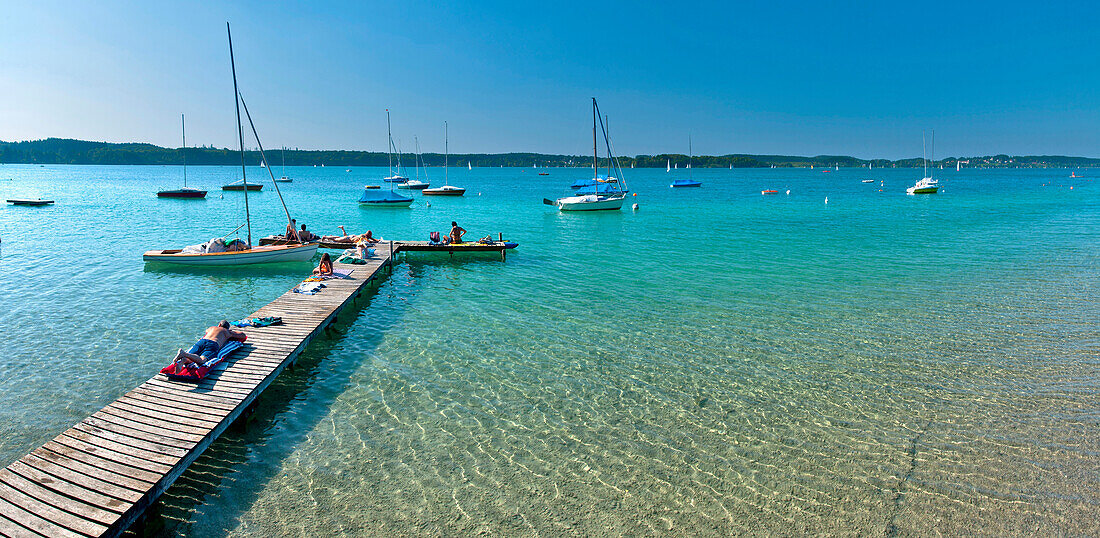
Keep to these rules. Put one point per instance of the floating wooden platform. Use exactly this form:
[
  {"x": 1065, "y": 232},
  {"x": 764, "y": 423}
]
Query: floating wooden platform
[{"x": 98, "y": 477}]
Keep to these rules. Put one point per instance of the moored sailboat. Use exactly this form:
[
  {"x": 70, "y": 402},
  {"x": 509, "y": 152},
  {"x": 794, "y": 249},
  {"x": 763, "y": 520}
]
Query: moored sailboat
[
  {"x": 184, "y": 192},
  {"x": 689, "y": 182},
  {"x": 446, "y": 189},
  {"x": 927, "y": 185},
  {"x": 595, "y": 201},
  {"x": 236, "y": 256}
]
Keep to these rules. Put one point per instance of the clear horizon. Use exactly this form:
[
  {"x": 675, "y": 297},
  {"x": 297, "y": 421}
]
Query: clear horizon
[{"x": 862, "y": 80}]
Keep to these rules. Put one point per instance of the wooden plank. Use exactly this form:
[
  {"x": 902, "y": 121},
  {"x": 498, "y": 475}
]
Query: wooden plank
[
  {"x": 87, "y": 469},
  {"x": 36, "y": 526},
  {"x": 100, "y": 508},
  {"x": 121, "y": 497},
  {"x": 14, "y": 530},
  {"x": 60, "y": 520},
  {"x": 60, "y": 452},
  {"x": 134, "y": 442},
  {"x": 159, "y": 427},
  {"x": 111, "y": 451}
]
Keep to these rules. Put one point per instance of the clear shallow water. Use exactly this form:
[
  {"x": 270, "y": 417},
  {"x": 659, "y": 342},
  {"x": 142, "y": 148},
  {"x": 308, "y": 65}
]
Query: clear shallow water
[{"x": 717, "y": 362}]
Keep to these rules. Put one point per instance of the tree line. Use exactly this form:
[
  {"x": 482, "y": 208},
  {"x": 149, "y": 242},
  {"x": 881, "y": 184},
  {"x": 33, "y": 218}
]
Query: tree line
[{"x": 68, "y": 151}]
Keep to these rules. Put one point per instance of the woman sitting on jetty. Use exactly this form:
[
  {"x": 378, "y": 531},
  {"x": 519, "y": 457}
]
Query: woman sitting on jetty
[{"x": 325, "y": 267}]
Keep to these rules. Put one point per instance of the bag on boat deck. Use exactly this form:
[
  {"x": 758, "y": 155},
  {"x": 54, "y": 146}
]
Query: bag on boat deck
[
  {"x": 191, "y": 372},
  {"x": 434, "y": 238}
]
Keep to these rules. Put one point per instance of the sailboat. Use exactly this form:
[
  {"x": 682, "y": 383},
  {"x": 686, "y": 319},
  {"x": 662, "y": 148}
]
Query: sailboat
[
  {"x": 416, "y": 184},
  {"x": 597, "y": 201},
  {"x": 446, "y": 189},
  {"x": 468, "y": 166},
  {"x": 687, "y": 182},
  {"x": 668, "y": 165},
  {"x": 926, "y": 185},
  {"x": 393, "y": 177},
  {"x": 284, "y": 179},
  {"x": 247, "y": 255},
  {"x": 184, "y": 192}
]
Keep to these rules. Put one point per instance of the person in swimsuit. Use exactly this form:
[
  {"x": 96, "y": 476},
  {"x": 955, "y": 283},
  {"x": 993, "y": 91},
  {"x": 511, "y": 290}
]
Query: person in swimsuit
[
  {"x": 291, "y": 233},
  {"x": 325, "y": 267},
  {"x": 208, "y": 346},
  {"x": 367, "y": 237},
  {"x": 456, "y": 232}
]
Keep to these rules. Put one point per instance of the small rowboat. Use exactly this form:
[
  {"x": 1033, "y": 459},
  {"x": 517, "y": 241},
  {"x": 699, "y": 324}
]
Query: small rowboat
[
  {"x": 765, "y": 192},
  {"x": 20, "y": 201}
]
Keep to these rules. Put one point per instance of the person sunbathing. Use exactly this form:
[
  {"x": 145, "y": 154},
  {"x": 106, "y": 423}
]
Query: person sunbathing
[
  {"x": 367, "y": 237},
  {"x": 208, "y": 346},
  {"x": 325, "y": 267},
  {"x": 456, "y": 232}
]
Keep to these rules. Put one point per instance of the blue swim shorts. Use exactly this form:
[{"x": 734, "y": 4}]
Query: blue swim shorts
[{"x": 207, "y": 349}]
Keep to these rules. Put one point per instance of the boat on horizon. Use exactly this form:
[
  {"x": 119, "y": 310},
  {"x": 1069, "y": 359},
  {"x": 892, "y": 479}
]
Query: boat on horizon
[
  {"x": 184, "y": 192},
  {"x": 927, "y": 185},
  {"x": 284, "y": 179},
  {"x": 225, "y": 254}
]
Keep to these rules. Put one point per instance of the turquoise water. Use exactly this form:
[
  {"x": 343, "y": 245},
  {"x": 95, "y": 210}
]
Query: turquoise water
[{"x": 717, "y": 362}]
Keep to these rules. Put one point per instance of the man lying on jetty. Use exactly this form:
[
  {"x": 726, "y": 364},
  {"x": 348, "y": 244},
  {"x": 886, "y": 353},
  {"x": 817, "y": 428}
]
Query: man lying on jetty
[{"x": 208, "y": 346}]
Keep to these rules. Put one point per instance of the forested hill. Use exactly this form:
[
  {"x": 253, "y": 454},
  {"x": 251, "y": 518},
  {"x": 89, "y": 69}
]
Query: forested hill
[{"x": 67, "y": 151}]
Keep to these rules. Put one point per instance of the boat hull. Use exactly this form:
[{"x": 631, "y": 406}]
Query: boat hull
[
  {"x": 585, "y": 203},
  {"x": 251, "y": 187},
  {"x": 684, "y": 184},
  {"x": 30, "y": 202},
  {"x": 268, "y": 254},
  {"x": 182, "y": 193},
  {"x": 922, "y": 190},
  {"x": 443, "y": 192},
  {"x": 397, "y": 203}
]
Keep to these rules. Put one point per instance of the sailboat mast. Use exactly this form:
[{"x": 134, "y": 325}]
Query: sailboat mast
[
  {"x": 924, "y": 154},
  {"x": 689, "y": 156},
  {"x": 933, "y": 152},
  {"x": 595, "y": 167},
  {"x": 389, "y": 149},
  {"x": 183, "y": 123},
  {"x": 264, "y": 157},
  {"x": 446, "y": 153},
  {"x": 607, "y": 128},
  {"x": 240, "y": 133},
  {"x": 284, "y": 161}
]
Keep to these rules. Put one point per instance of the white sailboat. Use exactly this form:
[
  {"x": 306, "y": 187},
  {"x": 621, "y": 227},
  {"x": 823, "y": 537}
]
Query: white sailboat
[
  {"x": 416, "y": 184},
  {"x": 394, "y": 177},
  {"x": 926, "y": 185},
  {"x": 446, "y": 189},
  {"x": 595, "y": 201},
  {"x": 668, "y": 165},
  {"x": 284, "y": 179},
  {"x": 248, "y": 254},
  {"x": 469, "y": 166}
]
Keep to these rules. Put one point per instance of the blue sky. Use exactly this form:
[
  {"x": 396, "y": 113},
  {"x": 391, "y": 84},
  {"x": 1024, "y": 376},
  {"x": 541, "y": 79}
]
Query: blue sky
[{"x": 803, "y": 78}]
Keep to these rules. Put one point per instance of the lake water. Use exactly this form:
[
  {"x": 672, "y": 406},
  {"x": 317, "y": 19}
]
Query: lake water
[{"x": 716, "y": 362}]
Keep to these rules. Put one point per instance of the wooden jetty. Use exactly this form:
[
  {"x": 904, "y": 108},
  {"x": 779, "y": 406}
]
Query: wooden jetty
[{"x": 99, "y": 477}]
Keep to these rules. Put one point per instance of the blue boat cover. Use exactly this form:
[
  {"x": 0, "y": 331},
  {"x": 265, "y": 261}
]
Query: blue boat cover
[
  {"x": 379, "y": 196},
  {"x": 686, "y": 183},
  {"x": 598, "y": 188}
]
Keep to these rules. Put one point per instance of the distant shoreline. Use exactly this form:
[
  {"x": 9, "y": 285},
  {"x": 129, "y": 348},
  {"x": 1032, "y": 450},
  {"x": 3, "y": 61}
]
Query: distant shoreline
[{"x": 68, "y": 151}]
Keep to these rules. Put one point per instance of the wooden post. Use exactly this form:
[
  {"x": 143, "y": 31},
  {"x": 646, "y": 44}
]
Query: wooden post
[
  {"x": 390, "y": 262},
  {"x": 500, "y": 236}
]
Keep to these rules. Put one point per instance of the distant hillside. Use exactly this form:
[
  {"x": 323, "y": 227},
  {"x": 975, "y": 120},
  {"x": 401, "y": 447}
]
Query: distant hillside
[{"x": 67, "y": 151}]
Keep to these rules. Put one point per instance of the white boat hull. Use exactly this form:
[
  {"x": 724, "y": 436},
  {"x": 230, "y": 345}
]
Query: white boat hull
[
  {"x": 590, "y": 203},
  {"x": 268, "y": 254}
]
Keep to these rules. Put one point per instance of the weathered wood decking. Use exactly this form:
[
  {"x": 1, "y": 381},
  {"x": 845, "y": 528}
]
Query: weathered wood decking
[{"x": 98, "y": 477}]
